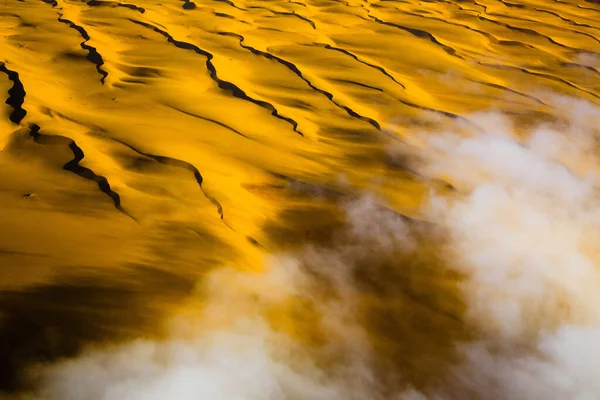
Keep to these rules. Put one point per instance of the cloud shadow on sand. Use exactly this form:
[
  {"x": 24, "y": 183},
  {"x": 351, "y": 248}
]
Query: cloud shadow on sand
[{"x": 49, "y": 322}]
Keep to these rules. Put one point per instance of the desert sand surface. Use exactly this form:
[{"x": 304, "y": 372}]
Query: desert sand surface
[{"x": 165, "y": 161}]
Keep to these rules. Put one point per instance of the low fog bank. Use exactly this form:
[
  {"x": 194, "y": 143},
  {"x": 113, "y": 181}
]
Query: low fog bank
[
  {"x": 521, "y": 231},
  {"x": 526, "y": 238}
]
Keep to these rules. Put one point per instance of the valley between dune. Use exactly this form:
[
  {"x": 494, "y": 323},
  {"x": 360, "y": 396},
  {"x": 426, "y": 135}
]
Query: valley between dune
[{"x": 148, "y": 145}]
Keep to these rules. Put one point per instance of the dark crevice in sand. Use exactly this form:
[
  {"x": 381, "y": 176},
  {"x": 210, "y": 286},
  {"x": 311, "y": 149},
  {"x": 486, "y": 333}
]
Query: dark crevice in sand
[
  {"x": 530, "y": 32},
  {"x": 576, "y": 65},
  {"x": 292, "y": 67},
  {"x": 225, "y": 85},
  {"x": 458, "y": 6},
  {"x": 288, "y": 14},
  {"x": 355, "y": 57},
  {"x": 485, "y": 9},
  {"x": 418, "y": 33},
  {"x": 588, "y": 8},
  {"x": 504, "y": 88},
  {"x": 74, "y": 167},
  {"x": 221, "y": 124},
  {"x": 452, "y": 52},
  {"x": 575, "y": 23},
  {"x": 232, "y": 4},
  {"x": 16, "y": 99},
  {"x": 489, "y": 36},
  {"x": 522, "y": 6},
  {"x": 434, "y": 110},
  {"x": 16, "y": 96},
  {"x": 551, "y": 26},
  {"x": 224, "y": 15},
  {"x": 541, "y": 75},
  {"x": 97, "y": 3},
  {"x": 176, "y": 163},
  {"x": 514, "y": 5},
  {"x": 53, "y": 3},
  {"x": 578, "y": 6},
  {"x": 297, "y": 2},
  {"x": 349, "y": 82},
  {"x": 93, "y": 54},
  {"x": 285, "y": 13}
]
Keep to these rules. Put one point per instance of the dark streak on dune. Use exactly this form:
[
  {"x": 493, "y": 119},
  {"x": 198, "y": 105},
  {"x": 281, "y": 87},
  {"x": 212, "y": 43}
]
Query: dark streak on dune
[
  {"x": 53, "y": 3},
  {"x": 528, "y": 32},
  {"x": 53, "y": 113},
  {"x": 359, "y": 84},
  {"x": 162, "y": 159},
  {"x": 297, "y": 2},
  {"x": 541, "y": 75},
  {"x": 225, "y": 85},
  {"x": 345, "y": 3},
  {"x": 488, "y": 35},
  {"x": 546, "y": 24},
  {"x": 485, "y": 8},
  {"x": 292, "y": 67},
  {"x": 23, "y": 253},
  {"x": 95, "y": 3},
  {"x": 552, "y": 26},
  {"x": 355, "y": 57},
  {"x": 566, "y": 19},
  {"x": 74, "y": 167},
  {"x": 458, "y": 6},
  {"x": 531, "y": 31},
  {"x": 515, "y": 43},
  {"x": 418, "y": 33},
  {"x": 133, "y": 81},
  {"x": 8, "y": 14},
  {"x": 232, "y": 4},
  {"x": 500, "y": 87},
  {"x": 433, "y": 110},
  {"x": 267, "y": 28},
  {"x": 223, "y": 15},
  {"x": 16, "y": 95},
  {"x": 16, "y": 99},
  {"x": 176, "y": 163},
  {"x": 221, "y": 124},
  {"x": 286, "y": 13},
  {"x": 293, "y": 13},
  {"x": 93, "y": 54},
  {"x": 141, "y": 10},
  {"x": 514, "y": 5},
  {"x": 587, "y": 8},
  {"x": 575, "y": 65},
  {"x": 523, "y": 6},
  {"x": 444, "y": 113}
]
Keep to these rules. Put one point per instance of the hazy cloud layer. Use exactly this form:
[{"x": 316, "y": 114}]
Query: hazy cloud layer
[{"x": 522, "y": 230}]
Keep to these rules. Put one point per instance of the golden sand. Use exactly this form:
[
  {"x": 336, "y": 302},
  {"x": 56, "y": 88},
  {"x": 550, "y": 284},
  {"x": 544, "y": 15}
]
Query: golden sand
[{"x": 144, "y": 144}]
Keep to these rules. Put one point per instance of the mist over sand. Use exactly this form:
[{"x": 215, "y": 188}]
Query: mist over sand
[
  {"x": 299, "y": 199},
  {"x": 521, "y": 232}
]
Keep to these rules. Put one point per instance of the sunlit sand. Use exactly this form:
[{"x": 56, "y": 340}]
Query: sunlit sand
[{"x": 146, "y": 145}]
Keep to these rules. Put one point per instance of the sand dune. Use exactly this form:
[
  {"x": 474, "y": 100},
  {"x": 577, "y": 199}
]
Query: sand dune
[{"x": 145, "y": 144}]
